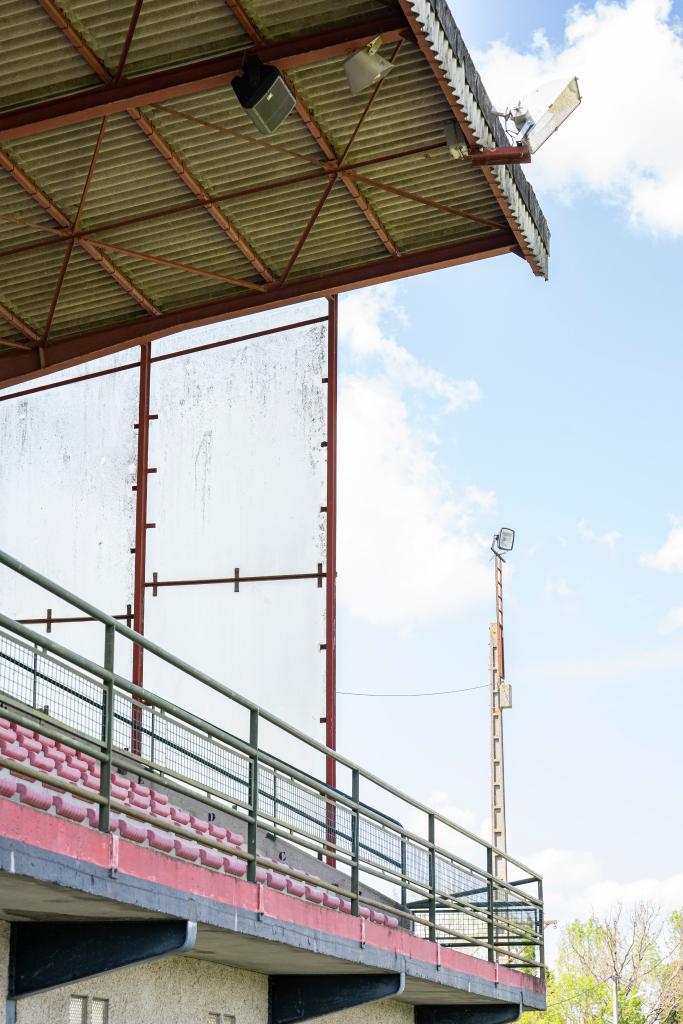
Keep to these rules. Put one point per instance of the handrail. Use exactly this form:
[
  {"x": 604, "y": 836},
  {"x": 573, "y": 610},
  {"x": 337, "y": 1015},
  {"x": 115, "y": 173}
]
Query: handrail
[
  {"x": 107, "y": 620},
  {"x": 227, "y": 771},
  {"x": 264, "y": 757}
]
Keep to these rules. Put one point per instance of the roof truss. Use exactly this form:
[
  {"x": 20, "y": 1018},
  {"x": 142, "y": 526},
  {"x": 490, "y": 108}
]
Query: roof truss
[{"x": 335, "y": 164}]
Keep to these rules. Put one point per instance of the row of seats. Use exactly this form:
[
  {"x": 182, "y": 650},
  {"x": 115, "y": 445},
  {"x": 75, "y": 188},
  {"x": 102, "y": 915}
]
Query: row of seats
[{"x": 60, "y": 760}]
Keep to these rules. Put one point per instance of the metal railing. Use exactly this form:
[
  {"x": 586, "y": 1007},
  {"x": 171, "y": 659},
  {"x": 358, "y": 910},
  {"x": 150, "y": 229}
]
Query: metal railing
[{"x": 434, "y": 891}]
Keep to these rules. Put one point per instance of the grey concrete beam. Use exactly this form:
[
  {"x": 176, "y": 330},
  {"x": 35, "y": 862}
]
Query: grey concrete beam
[
  {"x": 298, "y": 997},
  {"x": 48, "y": 954},
  {"x": 468, "y": 1014}
]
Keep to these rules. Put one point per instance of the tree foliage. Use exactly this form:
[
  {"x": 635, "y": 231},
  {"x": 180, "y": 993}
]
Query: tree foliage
[{"x": 636, "y": 946}]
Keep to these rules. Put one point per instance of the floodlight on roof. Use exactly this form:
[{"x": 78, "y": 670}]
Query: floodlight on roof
[
  {"x": 366, "y": 67},
  {"x": 528, "y": 132},
  {"x": 556, "y": 114},
  {"x": 456, "y": 141},
  {"x": 263, "y": 93}
]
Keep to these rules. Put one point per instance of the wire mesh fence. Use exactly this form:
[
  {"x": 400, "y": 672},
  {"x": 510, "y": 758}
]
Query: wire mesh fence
[{"x": 437, "y": 894}]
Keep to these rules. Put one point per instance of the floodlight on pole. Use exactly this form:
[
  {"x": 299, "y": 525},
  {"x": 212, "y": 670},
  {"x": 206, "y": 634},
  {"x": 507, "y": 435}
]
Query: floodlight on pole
[
  {"x": 500, "y": 699},
  {"x": 504, "y": 540}
]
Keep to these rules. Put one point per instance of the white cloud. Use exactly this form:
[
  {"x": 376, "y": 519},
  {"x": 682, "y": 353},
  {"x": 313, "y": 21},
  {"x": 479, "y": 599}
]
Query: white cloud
[
  {"x": 669, "y": 558},
  {"x": 612, "y": 666},
  {"x": 672, "y": 621},
  {"x": 622, "y": 142},
  {"x": 408, "y": 547},
  {"x": 558, "y": 588},
  {"x": 363, "y": 329},
  {"x": 608, "y": 539},
  {"x": 575, "y": 886}
]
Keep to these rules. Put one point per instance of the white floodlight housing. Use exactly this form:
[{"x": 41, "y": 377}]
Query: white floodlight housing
[
  {"x": 456, "y": 142},
  {"x": 557, "y": 113},
  {"x": 263, "y": 93},
  {"x": 505, "y": 539},
  {"x": 366, "y": 67}
]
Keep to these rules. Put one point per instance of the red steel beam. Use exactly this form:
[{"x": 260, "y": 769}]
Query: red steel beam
[
  {"x": 318, "y": 134},
  {"x": 177, "y": 265},
  {"x": 38, "y": 196},
  {"x": 198, "y": 202},
  {"x": 10, "y": 343},
  {"x": 200, "y": 76},
  {"x": 19, "y": 325},
  {"x": 281, "y": 328},
  {"x": 139, "y": 567},
  {"x": 331, "y": 548},
  {"x": 155, "y": 137},
  {"x": 16, "y": 367}
]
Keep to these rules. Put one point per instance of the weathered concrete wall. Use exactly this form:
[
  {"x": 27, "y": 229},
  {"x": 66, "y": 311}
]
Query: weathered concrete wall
[
  {"x": 4, "y": 961},
  {"x": 178, "y": 991}
]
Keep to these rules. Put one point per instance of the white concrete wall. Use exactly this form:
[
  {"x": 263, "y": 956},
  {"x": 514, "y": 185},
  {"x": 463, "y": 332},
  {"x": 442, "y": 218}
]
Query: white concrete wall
[
  {"x": 181, "y": 991},
  {"x": 241, "y": 480}
]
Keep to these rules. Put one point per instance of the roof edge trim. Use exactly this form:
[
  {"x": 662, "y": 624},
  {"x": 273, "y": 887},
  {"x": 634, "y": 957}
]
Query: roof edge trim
[{"x": 450, "y": 52}]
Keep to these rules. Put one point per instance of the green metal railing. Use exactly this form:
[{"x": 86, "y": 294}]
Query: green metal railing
[{"x": 435, "y": 892}]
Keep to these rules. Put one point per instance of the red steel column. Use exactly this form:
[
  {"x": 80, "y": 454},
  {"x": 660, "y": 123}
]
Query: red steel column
[
  {"x": 141, "y": 531},
  {"x": 331, "y": 554}
]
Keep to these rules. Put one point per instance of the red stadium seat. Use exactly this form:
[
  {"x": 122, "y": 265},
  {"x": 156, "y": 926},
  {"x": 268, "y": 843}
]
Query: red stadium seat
[
  {"x": 210, "y": 858},
  {"x": 235, "y": 866},
  {"x": 42, "y": 763},
  {"x": 8, "y": 785},
  {"x": 160, "y": 840},
  {"x": 331, "y": 900},
  {"x": 132, "y": 830},
  {"x": 295, "y": 887},
  {"x": 186, "y": 850},
  {"x": 69, "y": 808},
  {"x": 14, "y": 751},
  {"x": 138, "y": 800},
  {"x": 34, "y": 795},
  {"x": 313, "y": 894}
]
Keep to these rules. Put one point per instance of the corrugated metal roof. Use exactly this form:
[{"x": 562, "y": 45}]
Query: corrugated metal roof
[{"x": 190, "y": 181}]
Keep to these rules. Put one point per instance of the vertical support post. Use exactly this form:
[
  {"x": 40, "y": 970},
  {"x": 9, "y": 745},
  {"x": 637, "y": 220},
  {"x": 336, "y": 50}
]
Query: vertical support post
[
  {"x": 496, "y": 666},
  {"x": 541, "y": 930},
  {"x": 107, "y": 730},
  {"x": 331, "y": 554},
  {"x": 142, "y": 479},
  {"x": 404, "y": 872},
  {"x": 253, "y": 795},
  {"x": 331, "y": 571},
  {"x": 355, "y": 841},
  {"x": 35, "y": 676},
  {"x": 490, "y": 905},
  {"x": 432, "y": 877}
]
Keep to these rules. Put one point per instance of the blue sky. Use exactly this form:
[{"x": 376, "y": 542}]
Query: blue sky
[
  {"x": 479, "y": 397},
  {"x": 573, "y": 441}
]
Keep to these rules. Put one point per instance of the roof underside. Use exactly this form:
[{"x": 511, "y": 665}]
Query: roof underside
[{"x": 137, "y": 198}]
